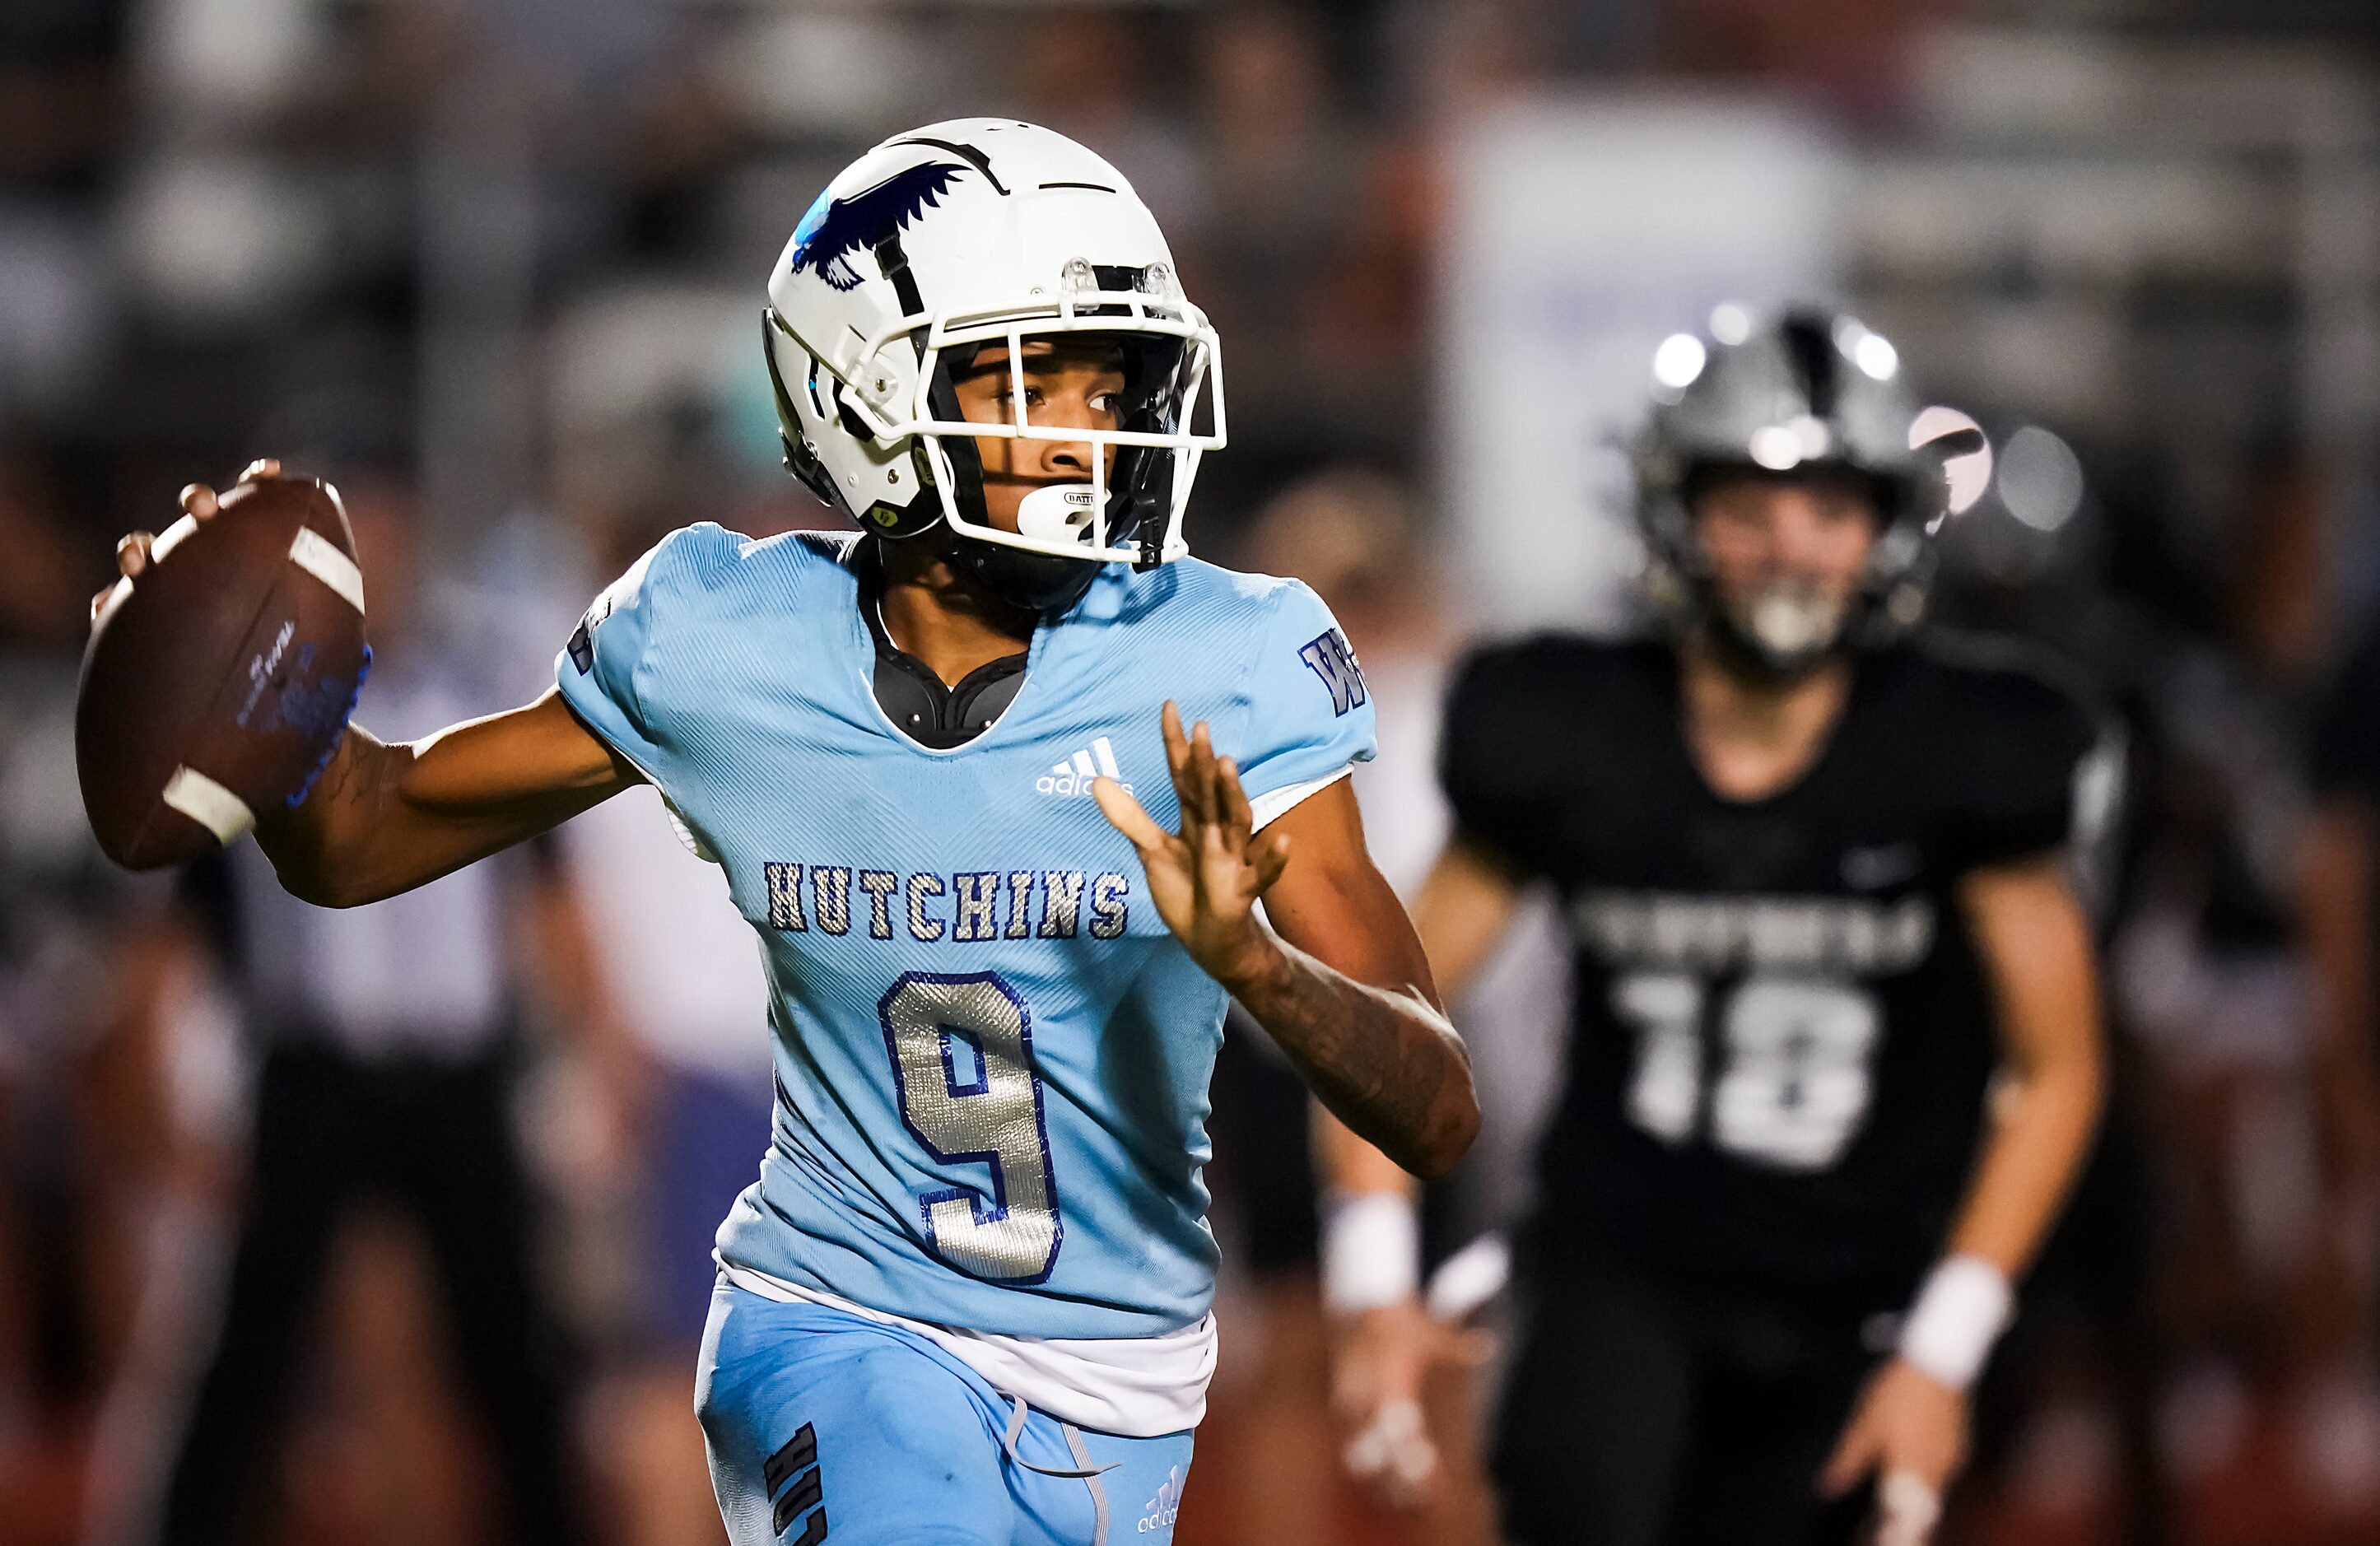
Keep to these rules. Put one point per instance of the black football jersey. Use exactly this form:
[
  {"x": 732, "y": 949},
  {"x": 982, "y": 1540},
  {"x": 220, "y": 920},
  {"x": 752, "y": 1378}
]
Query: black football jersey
[{"x": 1782, "y": 1034}]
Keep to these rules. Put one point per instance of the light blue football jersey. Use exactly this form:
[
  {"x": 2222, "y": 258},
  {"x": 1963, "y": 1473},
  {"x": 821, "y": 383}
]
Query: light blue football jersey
[{"x": 991, "y": 1057}]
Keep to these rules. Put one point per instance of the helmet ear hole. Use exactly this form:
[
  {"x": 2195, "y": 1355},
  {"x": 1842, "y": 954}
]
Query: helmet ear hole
[
  {"x": 804, "y": 464},
  {"x": 801, "y": 455}
]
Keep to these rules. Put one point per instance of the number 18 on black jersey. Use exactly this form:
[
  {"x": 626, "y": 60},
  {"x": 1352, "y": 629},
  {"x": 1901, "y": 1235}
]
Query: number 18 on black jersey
[{"x": 1781, "y": 1035}]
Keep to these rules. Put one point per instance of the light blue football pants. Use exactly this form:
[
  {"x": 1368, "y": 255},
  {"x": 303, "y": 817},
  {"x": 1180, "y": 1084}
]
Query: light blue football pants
[{"x": 826, "y": 1427}]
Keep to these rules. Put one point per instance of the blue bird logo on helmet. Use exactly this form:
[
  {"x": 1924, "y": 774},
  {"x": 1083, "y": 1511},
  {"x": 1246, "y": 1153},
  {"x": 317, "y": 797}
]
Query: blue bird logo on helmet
[{"x": 836, "y": 228}]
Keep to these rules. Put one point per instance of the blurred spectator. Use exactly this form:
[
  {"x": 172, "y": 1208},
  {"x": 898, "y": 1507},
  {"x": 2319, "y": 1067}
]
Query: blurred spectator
[
  {"x": 667, "y": 984},
  {"x": 387, "y": 1046},
  {"x": 1282, "y": 170},
  {"x": 63, "y": 108},
  {"x": 1092, "y": 73},
  {"x": 42, "y": 594},
  {"x": 649, "y": 958},
  {"x": 1354, "y": 535},
  {"x": 2338, "y": 869},
  {"x": 2071, "y": 1403},
  {"x": 1357, "y": 536},
  {"x": 2261, "y": 1103},
  {"x": 75, "y": 1150},
  {"x": 2338, "y": 879}
]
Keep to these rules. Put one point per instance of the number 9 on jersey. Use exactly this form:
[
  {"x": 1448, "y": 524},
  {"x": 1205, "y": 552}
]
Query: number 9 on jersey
[{"x": 961, "y": 1052}]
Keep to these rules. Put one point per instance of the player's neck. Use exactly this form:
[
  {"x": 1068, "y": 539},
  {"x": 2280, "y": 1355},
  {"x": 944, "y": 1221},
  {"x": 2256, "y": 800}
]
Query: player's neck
[
  {"x": 1751, "y": 738},
  {"x": 945, "y": 619}
]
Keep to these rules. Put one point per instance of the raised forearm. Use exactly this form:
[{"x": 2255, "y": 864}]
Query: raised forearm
[
  {"x": 1460, "y": 913},
  {"x": 386, "y": 817},
  {"x": 321, "y": 847},
  {"x": 1384, "y": 1060},
  {"x": 1386, "y": 1063}
]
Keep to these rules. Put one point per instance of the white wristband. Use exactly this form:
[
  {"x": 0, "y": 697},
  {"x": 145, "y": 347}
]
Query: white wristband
[
  {"x": 1371, "y": 1252},
  {"x": 1959, "y": 1314}
]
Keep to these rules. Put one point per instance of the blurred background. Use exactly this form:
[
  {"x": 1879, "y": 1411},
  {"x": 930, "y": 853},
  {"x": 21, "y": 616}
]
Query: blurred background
[{"x": 496, "y": 266}]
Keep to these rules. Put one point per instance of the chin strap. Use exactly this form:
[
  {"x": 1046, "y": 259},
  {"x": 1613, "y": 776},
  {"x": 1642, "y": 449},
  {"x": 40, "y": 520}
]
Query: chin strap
[{"x": 1034, "y": 582}]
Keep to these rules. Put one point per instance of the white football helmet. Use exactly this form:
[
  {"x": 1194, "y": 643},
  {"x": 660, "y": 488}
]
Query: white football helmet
[{"x": 973, "y": 233}]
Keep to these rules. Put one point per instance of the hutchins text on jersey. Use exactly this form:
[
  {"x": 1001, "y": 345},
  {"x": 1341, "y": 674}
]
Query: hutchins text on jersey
[{"x": 968, "y": 907}]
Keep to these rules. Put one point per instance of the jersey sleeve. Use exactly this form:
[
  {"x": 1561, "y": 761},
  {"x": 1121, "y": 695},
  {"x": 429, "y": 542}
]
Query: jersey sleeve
[
  {"x": 599, "y": 666},
  {"x": 2035, "y": 771},
  {"x": 1310, "y": 713},
  {"x": 2345, "y": 754},
  {"x": 1490, "y": 755}
]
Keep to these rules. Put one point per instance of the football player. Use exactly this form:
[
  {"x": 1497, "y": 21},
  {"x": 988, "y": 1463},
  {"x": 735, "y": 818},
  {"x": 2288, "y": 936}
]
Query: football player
[
  {"x": 999, "y": 783},
  {"x": 1813, "y": 865}
]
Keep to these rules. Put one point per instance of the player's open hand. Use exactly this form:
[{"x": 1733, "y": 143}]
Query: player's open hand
[
  {"x": 200, "y": 503},
  {"x": 1910, "y": 1431},
  {"x": 1205, "y": 878}
]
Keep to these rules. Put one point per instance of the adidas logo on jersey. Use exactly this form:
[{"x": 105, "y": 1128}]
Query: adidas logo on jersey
[
  {"x": 1073, "y": 776},
  {"x": 1163, "y": 1508}
]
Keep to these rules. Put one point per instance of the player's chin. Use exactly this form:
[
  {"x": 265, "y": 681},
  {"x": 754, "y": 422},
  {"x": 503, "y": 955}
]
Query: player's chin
[{"x": 1002, "y": 502}]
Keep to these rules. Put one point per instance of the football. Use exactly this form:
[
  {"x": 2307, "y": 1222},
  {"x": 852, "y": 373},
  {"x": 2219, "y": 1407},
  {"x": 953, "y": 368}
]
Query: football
[{"x": 216, "y": 685}]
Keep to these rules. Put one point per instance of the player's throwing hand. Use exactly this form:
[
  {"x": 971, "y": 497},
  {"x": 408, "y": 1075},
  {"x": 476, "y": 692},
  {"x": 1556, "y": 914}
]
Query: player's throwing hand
[
  {"x": 1205, "y": 878},
  {"x": 200, "y": 503}
]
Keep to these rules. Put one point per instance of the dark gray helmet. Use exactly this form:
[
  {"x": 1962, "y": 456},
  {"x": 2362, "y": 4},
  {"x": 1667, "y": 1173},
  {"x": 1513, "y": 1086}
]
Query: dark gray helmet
[{"x": 1804, "y": 389}]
